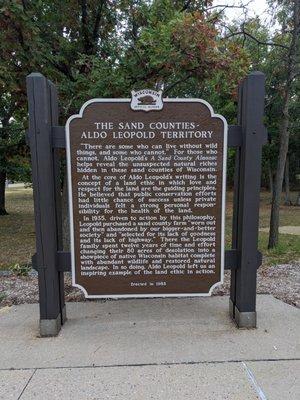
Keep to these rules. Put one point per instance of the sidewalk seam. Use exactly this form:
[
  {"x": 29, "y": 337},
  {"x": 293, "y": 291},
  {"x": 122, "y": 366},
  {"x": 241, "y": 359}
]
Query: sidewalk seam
[
  {"x": 24, "y": 388},
  {"x": 260, "y": 393},
  {"x": 151, "y": 364}
]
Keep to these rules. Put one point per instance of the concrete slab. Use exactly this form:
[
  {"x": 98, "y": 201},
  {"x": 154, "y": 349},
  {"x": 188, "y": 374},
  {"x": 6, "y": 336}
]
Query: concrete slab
[
  {"x": 152, "y": 331},
  {"x": 279, "y": 380},
  {"x": 12, "y": 383},
  {"x": 189, "y": 382}
]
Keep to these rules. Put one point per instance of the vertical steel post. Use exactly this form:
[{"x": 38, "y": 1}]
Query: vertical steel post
[
  {"x": 236, "y": 187},
  {"x": 246, "y": 204},
  {"x": 58, "y": 195},
  {"x": 43, "y": 112}
]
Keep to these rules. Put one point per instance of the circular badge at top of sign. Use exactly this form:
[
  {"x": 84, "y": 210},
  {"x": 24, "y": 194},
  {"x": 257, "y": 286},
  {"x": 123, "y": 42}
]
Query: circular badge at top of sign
[{"x": 146, "y": 100}]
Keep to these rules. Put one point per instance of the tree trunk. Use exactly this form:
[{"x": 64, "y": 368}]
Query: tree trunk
[
  {"x": 287, "y": 201},
  {"x": 298, "y": 200},
  {"x": 283, "y": 132},
  {"x": 274, "y": 221},
  {"x": 271, "y": 180},
  {"x": 4, "y": 123},
  {"x": 2, "y": 193}
]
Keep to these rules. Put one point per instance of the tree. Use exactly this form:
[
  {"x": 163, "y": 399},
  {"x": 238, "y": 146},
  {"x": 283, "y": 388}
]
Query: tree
[
  {"x": 277, "y": 54},
  {"x": 41, "y": 35},
  {"x": 291, "y": 72},
  {"x": 106, "y": 48},
  {"x": 14, "y": 162}
]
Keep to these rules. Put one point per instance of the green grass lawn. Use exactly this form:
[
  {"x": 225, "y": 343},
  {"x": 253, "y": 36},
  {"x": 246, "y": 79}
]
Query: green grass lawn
[
  {"x": 289, "y": 245},
  {"x": 17, "y": 233}
]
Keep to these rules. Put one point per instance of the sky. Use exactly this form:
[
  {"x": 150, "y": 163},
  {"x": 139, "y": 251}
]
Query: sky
[{"x": 254, "y": 7}]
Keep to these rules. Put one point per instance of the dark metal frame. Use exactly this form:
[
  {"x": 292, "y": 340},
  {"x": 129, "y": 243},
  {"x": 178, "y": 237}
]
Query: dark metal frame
[{"x": 46, "y": 139}]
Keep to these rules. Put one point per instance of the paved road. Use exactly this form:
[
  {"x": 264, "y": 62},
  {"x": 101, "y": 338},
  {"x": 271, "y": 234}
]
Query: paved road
[{"x": 159, "y": 349}]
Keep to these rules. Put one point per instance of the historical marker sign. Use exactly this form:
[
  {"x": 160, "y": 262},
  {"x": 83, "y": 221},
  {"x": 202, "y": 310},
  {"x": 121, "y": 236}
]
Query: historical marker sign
[
  {"x": 147, "y": 194},
  {"x": 146, "y": 182}
]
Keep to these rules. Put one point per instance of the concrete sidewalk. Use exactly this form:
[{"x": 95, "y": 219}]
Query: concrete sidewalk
[{"x": 159, "y": 349}]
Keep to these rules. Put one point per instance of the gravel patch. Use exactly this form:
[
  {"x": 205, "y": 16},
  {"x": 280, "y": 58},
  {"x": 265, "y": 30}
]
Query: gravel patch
[
  {"x": 282, "y": 281},
  {"x": 24, "y": 289}
]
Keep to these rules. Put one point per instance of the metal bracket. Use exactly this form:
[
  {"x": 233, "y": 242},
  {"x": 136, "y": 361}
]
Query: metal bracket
[
  {"x": 35, "y": 265},
  {"x": 63, "y": 259},
  {"x": 265, "y": 136},
  {"x": 234, "y": 136},
  {"x": 58, "y": 137}
]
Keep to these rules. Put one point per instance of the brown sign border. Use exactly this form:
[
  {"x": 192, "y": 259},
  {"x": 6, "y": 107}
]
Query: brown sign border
[{"x": 70, "y": 194}]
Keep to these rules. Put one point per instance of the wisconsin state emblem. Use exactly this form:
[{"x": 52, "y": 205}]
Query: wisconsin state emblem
[{"x": 146, "y": 100}]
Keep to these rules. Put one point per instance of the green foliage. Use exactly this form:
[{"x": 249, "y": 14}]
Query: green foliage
[
  {"x": 14, "y": 158},
  {"x": 20, "y": 270},
  {"x": 105, "y": 49},
  {"x": 271, "y": 59}
]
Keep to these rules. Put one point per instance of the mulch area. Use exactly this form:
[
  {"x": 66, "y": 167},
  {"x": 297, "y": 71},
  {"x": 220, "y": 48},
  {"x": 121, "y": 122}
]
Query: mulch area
[{"x": 282, "y": 281}]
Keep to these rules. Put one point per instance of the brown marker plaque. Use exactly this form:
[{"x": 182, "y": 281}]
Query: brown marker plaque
[{"x": 146, "y": 193}]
